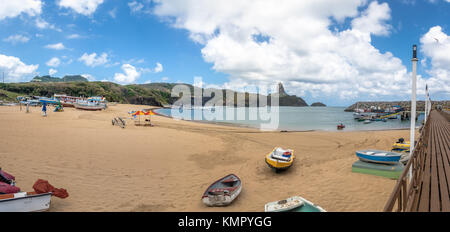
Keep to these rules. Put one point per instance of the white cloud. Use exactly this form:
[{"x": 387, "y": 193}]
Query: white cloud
[
  {"x": 15, "y": 39},
  {"x": 158, "y": 68},
  {"x": 113, "y": 13},
  {"x": 89, "y": 77},
  {"x": 435, "y": 45},
  {"x": 84, "y": 7},
  {"x": 15, "y": 70},
  {"x": 93, "y": 60},
  {"x": 165, "y": 79},
  {"x": 130, "y": 74},
  {"x": 57, "y": 46},
  {"x": 295, "y": 43},
  {"x": 74, "y": 36},
  {"x": 135, "y": 6},
  {"x": 11, "y": 9},
  {"x": 51, "y": 72},
  {"x": 53, "y": 62},
  {"x": 42, "y": 24}
]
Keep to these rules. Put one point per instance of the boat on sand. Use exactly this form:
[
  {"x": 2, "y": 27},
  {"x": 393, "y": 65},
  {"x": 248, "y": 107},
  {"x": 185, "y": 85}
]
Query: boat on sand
[
  {"x": 223, "y": 191},
  {"x": 292, "y": 204},
  {"x": 280, "y": 159},
  {"x": 378, "y": 156},
  {"x": 25, "y": 202}
]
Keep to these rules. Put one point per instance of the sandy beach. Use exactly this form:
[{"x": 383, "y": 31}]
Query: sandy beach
[{"x": 167, "y": 167}]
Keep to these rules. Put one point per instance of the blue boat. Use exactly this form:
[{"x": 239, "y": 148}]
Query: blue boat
[{"x": 377, "y": 156}]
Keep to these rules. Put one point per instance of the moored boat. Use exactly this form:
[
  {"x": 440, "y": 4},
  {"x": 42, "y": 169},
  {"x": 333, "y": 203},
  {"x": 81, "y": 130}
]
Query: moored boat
[
  {"x": 280, "y": 159},
  {"x": 223, "y": 191},
  {"x": 378, "y": 156},
  {"x": 292, "y": 204},
  {"x": 340, "y": 126},
  {"x": 25, "y": 202}
]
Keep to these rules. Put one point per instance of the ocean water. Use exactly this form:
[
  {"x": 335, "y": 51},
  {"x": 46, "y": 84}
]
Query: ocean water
[{"x": 289, "y": 118}]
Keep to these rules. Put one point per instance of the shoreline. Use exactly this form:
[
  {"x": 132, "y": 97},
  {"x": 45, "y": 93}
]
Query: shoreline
[
  {"x": 147, "y": 168},
  {"x": 238, "y": 125}
]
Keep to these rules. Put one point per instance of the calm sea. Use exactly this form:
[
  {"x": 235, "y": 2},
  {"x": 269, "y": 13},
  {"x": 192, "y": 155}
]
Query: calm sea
[{"x": 293, "y": 118}]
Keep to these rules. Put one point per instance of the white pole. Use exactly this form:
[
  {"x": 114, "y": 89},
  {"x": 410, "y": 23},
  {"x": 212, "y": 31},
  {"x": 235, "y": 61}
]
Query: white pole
[{"x": 413, "y": 105}]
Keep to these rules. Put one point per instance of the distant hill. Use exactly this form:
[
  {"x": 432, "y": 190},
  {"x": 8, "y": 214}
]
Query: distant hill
[
  {"x": 319, "y": 104},
  {"x": 155, "y": 94},
  {"x": 47, "y": 78}
]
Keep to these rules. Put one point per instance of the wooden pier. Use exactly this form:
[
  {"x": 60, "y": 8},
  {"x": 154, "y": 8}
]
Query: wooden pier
[{"x": 428, "y": 188}]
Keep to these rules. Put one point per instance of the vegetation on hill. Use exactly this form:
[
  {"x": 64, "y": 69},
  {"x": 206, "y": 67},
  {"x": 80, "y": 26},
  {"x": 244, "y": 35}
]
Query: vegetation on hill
[
  {"x": 320, "y": 104},
  {"x": 156, "y": 94},
  {"x": 73, "y": 78}
]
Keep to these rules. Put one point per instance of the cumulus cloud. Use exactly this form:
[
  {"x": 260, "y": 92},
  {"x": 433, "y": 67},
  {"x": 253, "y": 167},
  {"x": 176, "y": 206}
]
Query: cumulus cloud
[
  {"x": 135, "y": 6},
  {"x": 42, "y": 24},
  {"x": 57, "y": 46},
  {"x": 51, "y": 72},
  {"x": 89, "y": 77},
  {"x": 158, "y": 68},
  {"x": 53, "y": 62},
  {"x": 435, "y": 46},
  {"x": 11, "y": 9},
  {"x": 294, "y": 43},
  {"x": 15, "y": 39},
  {"x": 15, "y": 70},
  {"x": 84, "y": 7},
  {"x": 130, "y": 74},
  {"x": 93, "y": 59}
]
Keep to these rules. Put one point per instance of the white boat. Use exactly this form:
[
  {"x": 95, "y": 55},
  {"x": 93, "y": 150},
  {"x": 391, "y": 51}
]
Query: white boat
[
  {"x": 223, "y": 191},
  {"x": 293, "y": 204},
  {"x": 25, "y": 202},
  {"x": 367, "y": 121}
]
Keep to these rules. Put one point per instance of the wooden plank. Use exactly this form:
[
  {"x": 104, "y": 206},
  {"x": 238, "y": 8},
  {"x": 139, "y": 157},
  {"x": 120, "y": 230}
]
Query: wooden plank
[
  {"x": 435, "y": 205},
  {"x": 444, "y": 167},
  {"x": 424, "y": 195}
]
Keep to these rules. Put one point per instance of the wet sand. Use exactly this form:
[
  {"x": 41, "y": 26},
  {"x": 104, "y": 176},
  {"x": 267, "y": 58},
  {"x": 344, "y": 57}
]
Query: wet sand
[{"x": 168, "y": 167}]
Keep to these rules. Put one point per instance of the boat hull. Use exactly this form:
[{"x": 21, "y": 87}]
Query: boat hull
[
  {"x": 293, "y": 204},
  {"x": 279, "y": 165},
  {"x": 223, "y": 191},
  {"x": 87, "y": 107},
  {"x": 21, "y": 202},
  {"x": 393, "y": 158}
]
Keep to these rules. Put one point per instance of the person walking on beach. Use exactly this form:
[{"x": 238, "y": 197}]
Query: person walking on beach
[{"x": 44, "y": 109}]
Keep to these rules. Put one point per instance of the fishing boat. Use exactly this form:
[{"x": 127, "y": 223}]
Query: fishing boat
[
  {"x": 292, "y": 204},
  {"x": 367, "y": 121},
  {"x": 25, "y": 202},
  {"x": 377, "y": 156},
  {"x": 340, "y": 126},
  {"x": 89, "y": 105},
  {"x": 223, "y": 191},
  {"x": 66, "y": 101},
  {"x": 280, "y": 159}
]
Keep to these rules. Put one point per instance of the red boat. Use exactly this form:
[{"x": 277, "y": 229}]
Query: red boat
[{"x": 340, "y": 126}]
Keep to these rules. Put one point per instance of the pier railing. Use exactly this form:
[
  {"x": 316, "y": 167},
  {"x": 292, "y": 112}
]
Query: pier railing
[{"x": 405, "y": 191}]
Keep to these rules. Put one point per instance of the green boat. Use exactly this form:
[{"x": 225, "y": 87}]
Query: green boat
[{"x": 292, "y": 204}]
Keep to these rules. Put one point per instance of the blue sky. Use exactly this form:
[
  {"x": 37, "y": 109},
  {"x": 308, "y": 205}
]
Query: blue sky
[{"x": 233, "y": 46}]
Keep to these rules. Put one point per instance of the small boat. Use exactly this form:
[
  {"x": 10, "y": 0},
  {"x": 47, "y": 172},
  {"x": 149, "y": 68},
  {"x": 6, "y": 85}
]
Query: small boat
[
  {"x": 223, "y": 191},
  {"x": 367, "y": 121},
  {"x": 292, "y": 204},
  {"x": 89, "y": 105},
  {"x": 280, "y": 159},
  {"x": 401, "y": 145},
  {"x": 377, "y": 156},
  {"x": 340, "y": 126},
  {"x": 25, "y": 202}
]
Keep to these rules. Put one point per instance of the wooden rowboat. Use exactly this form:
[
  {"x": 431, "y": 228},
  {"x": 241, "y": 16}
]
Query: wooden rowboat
[
  {"x": 25, "y": 202},
  {"x": 223, "y": 191}
]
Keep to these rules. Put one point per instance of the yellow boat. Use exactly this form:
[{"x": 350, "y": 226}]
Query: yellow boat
[
  {"x": 280, "y": 159},
  {"x": 401, "y": 146}
]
